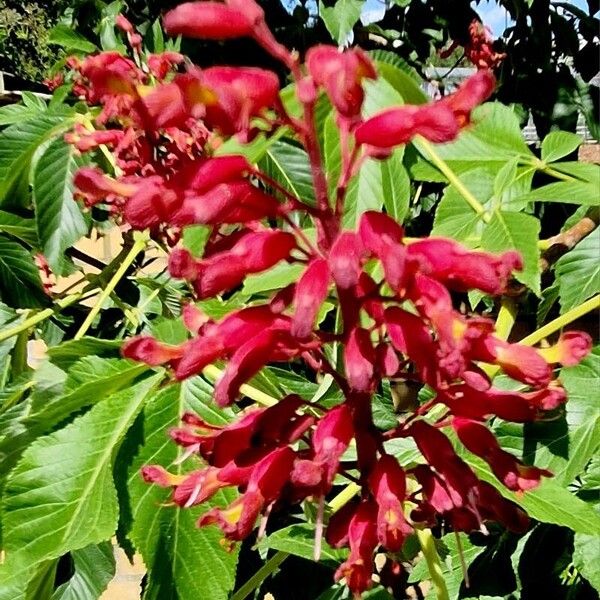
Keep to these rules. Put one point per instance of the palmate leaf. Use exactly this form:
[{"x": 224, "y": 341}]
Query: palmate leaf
[
  {"x": 184, "y": 562},
  {"x": 61, "y": 495},
  {"x": 60, "y": 222}
]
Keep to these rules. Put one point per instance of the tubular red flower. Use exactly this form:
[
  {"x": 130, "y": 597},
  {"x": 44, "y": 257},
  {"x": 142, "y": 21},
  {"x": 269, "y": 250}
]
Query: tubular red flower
[
  {"x": 345, "y": 259},
  {"x": 311, "y": 291},
  {"x": 208, "y": 20},
  {"x": 94, "y": 186},
  {"x": 362, "y": 538},
  {"x": 146, "y": 349},
  {"x": 359, "y": 359},
  {"x": 470, "y": 94},
  {"x": 397, "y": 126},
  {"x": 517, "y": 361},
  {"x": 341, "y": 75},
  {"x": 463, "y": 270},
  {"x": 570, "y": 349},
  {"x": 479, "y": 440},
  {"x": 388, "y": 483}
]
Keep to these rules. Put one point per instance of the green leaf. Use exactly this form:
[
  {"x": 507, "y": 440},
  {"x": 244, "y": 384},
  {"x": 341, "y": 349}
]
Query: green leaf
[
  {"x": 61, "y": 496},
  {"x": 60, "y": 222},
  {"x": 183, "y": 562},
  {"x": 299, "y": 540},
  {"x": 403, "y": 78},
  {"x": 16, "y": 113},
  {"x": 395, "y": 184},
  {"x": 586, "y": 552},
  {"x": 276, "y": 278},
  {"x": 341, "y": 18},
  {"x": 549, "y": 503},
  {"x": 94, "y": 567},
  {"x": 288, "y": 165},
  {"x": 558, "y": 144},
  {"x": 585, "y": 171},
  {"x": 19, "y": 227},
  {"x": 68, "y": 38},
  {"x": 578, "y": 272},
  {"x": 18, "y": 144},
  {"x": 194, "y": 238},
  {"x": 52, "y": 401},
  {"x": 516, "y": 231},
  {"x": 454, "y": 217},
  {"x": 569, "y": 192},
  {"x": 20, "y": 283},
  {"x": 69, "y": 352}
]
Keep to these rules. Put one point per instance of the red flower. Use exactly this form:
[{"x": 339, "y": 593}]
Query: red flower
[
  {"x": 359, "y": 359},
  {"x": 570, "y": 349},
  {"x": 480, "y": 50},
  {"x": 162, "y": 64},
  {"x": 310, "y": 293},
  {"x": 268, "y": 477},
  {"x": 146, "y": 349},
  {"x": 330, "y": 440},
  {"x": 94, "y": 186},
  {"x": 209, "y": 20},
  {"x": 341, "y": 75},
  {"x": 397, "y": 126},
  {"x": 461, "y": 269},
  {"x": 253, "y": 253},
  {"x": 470, "y": 94},
  {"x": 388, "y": 483},
  {"x": 479, "y": 440},
  {"x": 517, "y": 361},
  {"x": 362, "y": 538},
  {"x": 345, "y": 259},
  {"x": 382, "y": 237}
]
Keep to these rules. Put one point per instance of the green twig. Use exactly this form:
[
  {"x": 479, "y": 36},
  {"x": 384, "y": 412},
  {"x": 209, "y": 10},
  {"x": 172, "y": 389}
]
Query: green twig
[
  {"x": 137, "y": 247},
  {"x": 560, "y": 322},
  {"x": 427, "y": 148},
  {"x": 506, "y": 318},
  {"x": 260, "y": 575},
  {"x": 39, "y": 317},
  {"x": 434, "y": 564}
]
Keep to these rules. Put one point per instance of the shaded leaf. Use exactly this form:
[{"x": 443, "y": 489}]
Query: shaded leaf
[
  {"x": 94, "y": 567},
  {"x": 20, "y": 283}
]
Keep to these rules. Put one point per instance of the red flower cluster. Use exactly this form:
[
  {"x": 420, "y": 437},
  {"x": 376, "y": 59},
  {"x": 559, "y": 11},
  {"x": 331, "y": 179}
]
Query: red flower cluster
[
  {"x": 401, "y": 324},
  {"x": 480, "y": 47}
]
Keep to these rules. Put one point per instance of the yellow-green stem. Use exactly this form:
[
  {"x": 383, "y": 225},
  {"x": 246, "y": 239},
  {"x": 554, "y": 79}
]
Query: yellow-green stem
[
  {"x": 506, "y": 318},
  {"x": 137, "y": 247},
  {"x": 560, "y": 322},
  {"x": 434, "y": 565},
  {"x": 39, "y": 317},
  {"x": 213, "y": 373},
  {"x": 425, "y": 146}
]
